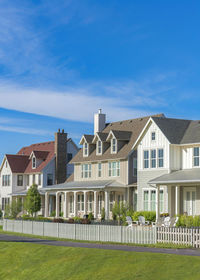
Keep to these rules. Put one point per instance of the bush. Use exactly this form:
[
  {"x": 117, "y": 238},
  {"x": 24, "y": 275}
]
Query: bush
[
  {"x": 53, "y": 214},
  {"x": 1, "y": 214},
  {"x": 85, "y": 221},
  {"x": 148, "y": 215},
  {"x": 70, "y": 221},
  {"x": 164, "y": 215},
  {"x": 77, "y": 219},
  {"x": 188, "y": 221},
  {"x": 58, "y": 220},
  {"x": 103, "y": 214},
  {"x": 90, "y": 216}
]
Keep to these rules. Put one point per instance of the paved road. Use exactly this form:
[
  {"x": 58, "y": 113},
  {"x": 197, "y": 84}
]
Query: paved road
[{"x": 12, "y": 238}]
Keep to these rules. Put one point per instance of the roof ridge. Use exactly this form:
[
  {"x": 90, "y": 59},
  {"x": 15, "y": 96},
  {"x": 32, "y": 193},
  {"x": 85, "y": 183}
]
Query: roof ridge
[{"x": 139, "y": 118}]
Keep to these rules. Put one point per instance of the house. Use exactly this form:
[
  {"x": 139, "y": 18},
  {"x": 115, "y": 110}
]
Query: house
[
  {"x": 105, "y": 171},
  {"x": 44, "y": 164},
  {"x": 168, "y": 178}
]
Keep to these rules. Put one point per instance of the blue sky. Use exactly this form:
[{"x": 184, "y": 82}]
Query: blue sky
[{"x": 61, "y": 60}]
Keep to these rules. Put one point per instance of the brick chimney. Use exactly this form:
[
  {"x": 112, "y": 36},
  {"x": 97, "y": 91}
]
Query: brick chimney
[{"x": 61, "y": 157}]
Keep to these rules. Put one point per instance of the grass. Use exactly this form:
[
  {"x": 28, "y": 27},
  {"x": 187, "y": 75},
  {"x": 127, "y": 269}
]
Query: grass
[
  {"x": 22, "y": 261},
  {"x": 157, "y": 245}
]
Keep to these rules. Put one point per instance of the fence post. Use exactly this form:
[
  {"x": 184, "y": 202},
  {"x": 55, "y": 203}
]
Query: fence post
[
  {"x": 43, "y": 228},
  {"x": 32, "y": 227},
  {"x": 75, "y": 231},
  {"x": 22, "y": 227},
  {"x": 57, "y": 229},
  {"x": 121, "y": 234}
]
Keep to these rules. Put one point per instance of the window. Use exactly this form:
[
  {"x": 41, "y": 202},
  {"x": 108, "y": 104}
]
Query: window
[
  {"x": 33, "y": 178},
  {"x": 112, "y": 200},
  {"x": 160, "y": 158},
  {"x": 99, "y": 147},
  {"x": 20, "y": 180},
  {"x": 49, "y": 179},
  {"x": 99, "y": 169},
  {"x": 114, "y": 168},
  {"x": 4, "y": 202},
  {"x": 69, "y": 157},
  {"x": 33, "y": 162},
  {"x": 196, "y": 156},
  {"x": 153, "y": 136},
  {"x": 85, "y": 149},
  {"x": 100, "y": 203},
  {"x": 114, "y": 145},
  {"x": 146, "y": 200},
  {"x": 5, "y": 180},
  {"x": 161, "y": 201},
  {"x": 153, "y": 158},
  {"x": 135, "y": 201},
  {"x": 86, "y": 171},
  {"x": 90, "y": 202},
  {"x": 71, "y": 203},
  {"x": 27, "y": 180},
  {"x": 120, "y": 198},
  {"x": 80, "y": 202},
  {"x": 134, "y": 167},
  {"x": 153, "y": 201},
  {"x": 146, "y": 159},
  {"x": 39, "y": 179},
  {"x": 6, "y": 164}
]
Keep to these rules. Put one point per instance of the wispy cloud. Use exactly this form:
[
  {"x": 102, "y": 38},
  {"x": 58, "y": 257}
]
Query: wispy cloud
[{"x": 25, "y": 130}]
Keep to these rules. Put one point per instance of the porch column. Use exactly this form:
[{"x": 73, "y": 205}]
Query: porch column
[
  {"x": 57, "y": 204},
  {"x": 46, "y": 204},
  {"x": 75, "y": 204},
  {"x": 158, "y": 204},
  {"x": 95, "y": 204},
  {"x": 107, "y": 205},
  {"x": 65, "y": 205},
  {"x": 169, "y": 199},
  {"x": 177, "y": 201},
  {"x": 85, "y": 202}
]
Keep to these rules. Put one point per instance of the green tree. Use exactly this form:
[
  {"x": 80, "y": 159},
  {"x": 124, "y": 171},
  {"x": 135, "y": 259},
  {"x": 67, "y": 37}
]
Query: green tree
[
  {"x": 33, "y": 200},
  {"x": 119, "y": 211},
  {"x": 13, "y": 209}
]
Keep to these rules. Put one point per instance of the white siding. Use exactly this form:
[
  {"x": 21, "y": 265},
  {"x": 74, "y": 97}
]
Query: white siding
[{"x": 187, "y": 156}]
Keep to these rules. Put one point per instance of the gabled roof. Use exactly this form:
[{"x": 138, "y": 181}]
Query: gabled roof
[
  {"x": 102, "y": 136},
  {"x": 17, "y": 163},
  {"x": 135, "y": 126},
  {"x": 41, "y": 154},
  {"x": 88, "y": 138},
  {"x": 121, "y": 135}
]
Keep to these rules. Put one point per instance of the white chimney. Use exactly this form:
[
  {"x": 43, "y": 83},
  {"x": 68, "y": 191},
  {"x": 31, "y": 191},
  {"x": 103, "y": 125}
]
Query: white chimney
[{"x": 99, "y": 121}]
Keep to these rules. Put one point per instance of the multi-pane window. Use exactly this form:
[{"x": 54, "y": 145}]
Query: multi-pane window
[
  {"x": 85, "y": 149},
  {"x": 33, "y": 162},
  {"x": 160, "y": 157},
  {"x": 146, "y": 200},
  {"x": 71, "y": 203},
  {"x": 114, "y": 145},
  {"x": 134, "y": 167},
  {"x": 135, "y": 201},
  {"x": 149, "y": 200},
  {"x": 20, "y": 180},
  {"x": 153, "y": 200},
  {"x": 5, "y": 201},
  {"x": 39, "y": 179},
  {"x": 80, "y": 202},
  {"x": 114, "y": 168},
  {"x": 86, "y": 171},
  {"x": 153, "y": 136},
  {"x": 161, "y": 201},
  {"x": 153, "y": 158},
  {"x": 99, "y": 147},
  {"x": 5, "y": 180},
  {"x": 196, "y": 156},
  {"x": 146, "y": 159},
  {"x": 49, "y": 179},
  {"x": 112, "y": 200},
  {"x": 100, "y": 202},
  {"x": 99, "y": 169},
  {"x": 27, "y": 180},
  {"x": 90, "y": 202}
]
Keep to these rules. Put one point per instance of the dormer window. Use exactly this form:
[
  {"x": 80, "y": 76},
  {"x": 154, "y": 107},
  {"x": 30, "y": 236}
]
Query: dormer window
[
  {"x": 99, "y": 147},
  {"x": 33, "y": 162},
  {"x": 85, "y": 149},
  {"x": 114, "y": 145}
]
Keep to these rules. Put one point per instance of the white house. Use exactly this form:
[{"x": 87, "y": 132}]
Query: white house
[
  {"x": 169, "y": 166},
  {"x": 44, "y": 164}
]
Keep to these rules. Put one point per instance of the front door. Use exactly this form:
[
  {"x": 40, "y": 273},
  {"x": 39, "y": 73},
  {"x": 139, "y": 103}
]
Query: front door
[{"x": 189, "y": 201}]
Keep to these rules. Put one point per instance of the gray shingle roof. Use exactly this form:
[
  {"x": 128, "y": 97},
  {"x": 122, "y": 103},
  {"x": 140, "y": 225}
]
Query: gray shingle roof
[
  {"x": 102, "y": 136},
  {"x": 122, "y": 135},
  {"x": 88, "y": 138}
]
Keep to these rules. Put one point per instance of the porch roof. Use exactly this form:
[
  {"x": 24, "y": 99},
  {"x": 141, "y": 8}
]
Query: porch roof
[
  {"x": 97, "y": 184},
  {"x": 24, "y": 192},
  {"x": 178, "y": 177}
]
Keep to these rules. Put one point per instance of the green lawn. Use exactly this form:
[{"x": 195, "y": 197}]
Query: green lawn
[{"x": 32, "y": 261}]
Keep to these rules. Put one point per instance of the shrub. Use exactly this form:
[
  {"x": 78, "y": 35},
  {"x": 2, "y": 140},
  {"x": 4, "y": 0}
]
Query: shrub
[
  {"x": 1, "y": 214},
  {"x": 103, "y": 214},
  {"x": 70, "y": 221},
  {"x": 61, "y": 214},
  {"x": 58, "y": 220},
  {"x": 77, "y": 219},
  {"x": 164, "y": 215},
  {"x": 90, "y": 216},
  {"x": 188, "y": 221},
  {"x": 53, "y": 214},
  {"x": 148, "y": 215},
  {"x": 85, "y": 221}
]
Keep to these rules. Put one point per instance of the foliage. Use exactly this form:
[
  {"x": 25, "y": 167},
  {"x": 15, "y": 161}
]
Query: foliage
[
  {"x": 164, "y": 215},
  {"x": 61, "y": 214},
  {"x": 148, "y": 215},
  {"x": 33, "y": 200},
  {"x": 1, "y": 214},
  {"x": 13, "y": 209},
  {"x": 70, "y": 221},
  {"x": 103, "y": 214},
  {"x": 90, "y": 216},
  {"x": 85, "y": 221},
  {"x": 188, "y": 221},
  {"x": 58, "y": 220},
  {"x": 53, "y": 214},
  {"x": 77, "y": 219},
  {"x": 120, "y": 211}
]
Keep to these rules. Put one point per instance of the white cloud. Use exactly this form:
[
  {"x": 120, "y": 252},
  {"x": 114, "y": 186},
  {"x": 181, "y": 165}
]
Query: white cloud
[{"x": 25, "y": 130}]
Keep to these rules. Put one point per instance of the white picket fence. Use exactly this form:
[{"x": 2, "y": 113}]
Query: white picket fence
[{"x": 106, "y": 233}]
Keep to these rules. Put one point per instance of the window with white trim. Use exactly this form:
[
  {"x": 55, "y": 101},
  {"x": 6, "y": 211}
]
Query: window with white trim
[
  {"x": 33, "y": 162},
  {"x": 196, "y": 156},
  {"x": 99, "y": 147},
  {"x": 161, "y": 201},
  {"x": 99, "y": 169},
  {"x": 153, "y": 200},
  {"x": 160, "y": 157},
  {"x": 86, "y": 171},
  {"x": 71, "y": 203},
  {"x": 39, "y": 179},
  {"x": 153, "y": 158},
  {"x": 153, "y": 136},
  {"x": 90, "y": 202},
  {"x": 114, "y": 168},
  {"x": 80, "y": 202},
  {"x": 146, "y": 159},
  {"x": 114, "y": 145},
  {"x": 149, "y": 200},
  {"x": 5, "y": 180},
  {"x": 112, "y": 200},
  {"x": 134, "y": 166},
  {"x": 146, "y": 200},
  {"x": 100, "y": 202},
  {"x": 85, "y": 149},
  {"x": 20, "y": 180}
]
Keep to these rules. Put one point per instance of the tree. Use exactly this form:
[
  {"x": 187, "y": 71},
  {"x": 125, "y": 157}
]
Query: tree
[
  {"x": 13, "y": 209},
  {"x": 119, "y": 211},
  {"x": 33, "y": 200}
]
